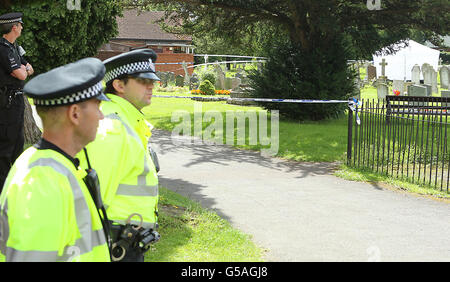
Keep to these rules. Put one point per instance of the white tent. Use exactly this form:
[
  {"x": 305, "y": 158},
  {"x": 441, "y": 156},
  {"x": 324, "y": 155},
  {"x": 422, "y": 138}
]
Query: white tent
[{"x": 399, "y": 65}]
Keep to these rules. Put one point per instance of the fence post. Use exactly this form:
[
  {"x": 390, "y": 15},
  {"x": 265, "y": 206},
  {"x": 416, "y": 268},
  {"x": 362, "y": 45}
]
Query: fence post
[{"x": 350, "y": 133}]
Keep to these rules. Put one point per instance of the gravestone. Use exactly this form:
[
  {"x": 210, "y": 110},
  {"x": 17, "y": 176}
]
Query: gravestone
[
  {"x": 179, "y": 81},
  {"x": 220, "y": 82},
  {"x": 371, "y": 72},
  {"x": 382, "y": 90},
  {"x": 444, "y": 73},
  {"x": 235, "y": 83},
  {"x": 228, "y": 83},
  {"x": 427, "y": 72},
  {"x": 415, "y": 74},
  {"x": 186, "y": 74},
  {"x": 429, "y": 89},
  {"x": 194, "y": 82},
  {"x": 398, "y": 85},
  {"x": 164, "y": 79},
  {"x": 170, "y": 78},
  {"x": 434, "y": 82},
  {"x": 417, "y": 91},
  {"x": 445, "y": 93}
]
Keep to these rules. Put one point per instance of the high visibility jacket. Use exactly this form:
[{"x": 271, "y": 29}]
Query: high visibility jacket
[
  {"x": 47, "y": 212},
  {"x": 119, "y": 154}
]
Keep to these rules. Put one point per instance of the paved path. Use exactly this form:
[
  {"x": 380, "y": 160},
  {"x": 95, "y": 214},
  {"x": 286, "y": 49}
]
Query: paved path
[{"x": 300, "y": 211}]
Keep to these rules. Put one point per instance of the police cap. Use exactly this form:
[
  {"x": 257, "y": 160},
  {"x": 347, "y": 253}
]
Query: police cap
[
  {"x": 11, "y": 18},
  {"x": 68, "y": 84},
  {"x": 136, "y": 63}
]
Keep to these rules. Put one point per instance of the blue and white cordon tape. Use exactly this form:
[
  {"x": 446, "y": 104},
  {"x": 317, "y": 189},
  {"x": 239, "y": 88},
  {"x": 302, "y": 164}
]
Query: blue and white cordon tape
[{"x": 353, "y": 103}]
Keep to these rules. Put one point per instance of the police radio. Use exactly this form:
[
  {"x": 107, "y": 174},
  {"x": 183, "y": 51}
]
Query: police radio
[{"x": 131, "y": 237}]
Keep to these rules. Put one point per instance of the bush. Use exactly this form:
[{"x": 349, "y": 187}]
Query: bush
[
  {"x": 208, "y": 75},
  {"x": 207, "y": 88},
  {"x": 445, "y": 56},
  {"x": 291, "y": 73}
]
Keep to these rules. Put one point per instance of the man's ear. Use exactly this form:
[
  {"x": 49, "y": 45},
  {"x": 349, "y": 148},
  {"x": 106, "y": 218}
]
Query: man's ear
[
  {"x": 74, "y": 114},
  {"x": 119, "y": 86}
]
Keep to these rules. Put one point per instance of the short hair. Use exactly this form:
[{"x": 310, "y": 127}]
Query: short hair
[
  {"x": 6, "y": 28},
  {"x": 110, "y": 88}
]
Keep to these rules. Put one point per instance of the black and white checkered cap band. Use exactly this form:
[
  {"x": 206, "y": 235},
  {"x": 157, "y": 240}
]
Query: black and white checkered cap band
[
  {"x": 10, "y": 21},
  {"x": 129, "y": 69},
  {"x": 71, "y": 98}
]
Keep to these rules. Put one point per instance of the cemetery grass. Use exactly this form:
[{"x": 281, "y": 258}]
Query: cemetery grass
[
  {"x": 309, "y": 141},
  {"x": 190, "y": 233}
]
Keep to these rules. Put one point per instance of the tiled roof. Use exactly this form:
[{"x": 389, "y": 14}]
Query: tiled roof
[{"x": 140, "y": 25}]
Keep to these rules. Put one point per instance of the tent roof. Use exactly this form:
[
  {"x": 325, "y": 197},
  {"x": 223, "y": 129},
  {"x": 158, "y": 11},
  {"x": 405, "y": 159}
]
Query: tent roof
[{"x": 399, "y": 65}]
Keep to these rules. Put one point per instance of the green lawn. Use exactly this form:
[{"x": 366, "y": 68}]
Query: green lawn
[{"x": 300, "y": 141}]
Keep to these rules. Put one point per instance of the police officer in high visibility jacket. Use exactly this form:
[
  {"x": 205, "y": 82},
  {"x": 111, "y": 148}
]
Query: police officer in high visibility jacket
[
  {"x": 128, "y": 179},
  {"x": 47, "y": 212},
  {"x": 14, "y": 69}
]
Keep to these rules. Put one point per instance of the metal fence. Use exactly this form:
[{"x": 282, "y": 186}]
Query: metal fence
[{"x": 403, "y": 137}]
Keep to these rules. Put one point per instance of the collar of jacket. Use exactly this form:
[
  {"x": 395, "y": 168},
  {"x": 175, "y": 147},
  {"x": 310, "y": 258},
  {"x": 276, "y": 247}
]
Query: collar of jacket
[{"x": 135, "y": 117}]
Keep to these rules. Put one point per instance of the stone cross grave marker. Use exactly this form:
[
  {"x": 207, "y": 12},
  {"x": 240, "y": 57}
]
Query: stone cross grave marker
[
  {"x": 383, "y": 65},
  {"x": 382, "y": 90}
]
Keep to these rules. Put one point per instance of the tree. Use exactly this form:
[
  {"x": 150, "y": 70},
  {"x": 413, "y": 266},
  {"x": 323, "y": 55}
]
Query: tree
[
  {"x": 310, "y": 27},
  {"x": 301, "y": 20},
  {"x": 54, "y": 35}
]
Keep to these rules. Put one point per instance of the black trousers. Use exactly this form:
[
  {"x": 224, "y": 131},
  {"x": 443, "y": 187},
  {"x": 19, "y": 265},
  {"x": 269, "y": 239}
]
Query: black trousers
[{"x": 11, "y": 133}]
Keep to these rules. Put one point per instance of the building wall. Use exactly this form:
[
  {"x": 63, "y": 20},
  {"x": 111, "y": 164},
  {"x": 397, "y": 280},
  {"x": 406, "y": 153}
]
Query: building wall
[
  {"x": 175, "y": 58},
  {"x": 166, "y": 56}
]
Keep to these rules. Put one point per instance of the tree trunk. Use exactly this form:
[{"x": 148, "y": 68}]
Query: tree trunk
[{"x": 31, "y": 131}]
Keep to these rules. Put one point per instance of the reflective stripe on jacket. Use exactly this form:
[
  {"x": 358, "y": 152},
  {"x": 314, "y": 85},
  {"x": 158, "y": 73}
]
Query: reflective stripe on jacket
[
  {"x": 128, "y": 180},
  {"x": 47, "y": 213}
]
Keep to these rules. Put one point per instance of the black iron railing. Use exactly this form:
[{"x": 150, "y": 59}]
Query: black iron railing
[{"x": 403, "y": 137}]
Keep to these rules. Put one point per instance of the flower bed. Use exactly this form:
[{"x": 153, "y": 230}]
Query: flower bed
[{"x": 218, "y": 92}]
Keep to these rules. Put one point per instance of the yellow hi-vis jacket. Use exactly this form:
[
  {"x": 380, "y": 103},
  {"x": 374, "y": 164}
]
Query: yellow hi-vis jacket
[
  {"x": 47, "y": 212},
  {"x": 119, "y": 154}
]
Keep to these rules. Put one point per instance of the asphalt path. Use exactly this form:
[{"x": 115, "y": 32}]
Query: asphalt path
[{"x": 300, "y": 211}]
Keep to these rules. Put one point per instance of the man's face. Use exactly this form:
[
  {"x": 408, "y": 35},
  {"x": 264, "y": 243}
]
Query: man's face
[
  {"x": 89, "y": 119},
  {"x": 138, "y": 91}
]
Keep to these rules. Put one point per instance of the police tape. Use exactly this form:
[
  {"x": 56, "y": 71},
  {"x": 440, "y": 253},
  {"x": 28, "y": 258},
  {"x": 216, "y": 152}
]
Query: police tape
[
  {"x": 307, "y": 101},
  {"x": 353, "y": 103}
]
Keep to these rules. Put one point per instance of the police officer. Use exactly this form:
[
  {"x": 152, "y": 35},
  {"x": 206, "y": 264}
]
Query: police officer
[
  {"x": 47, "y": 212},
  {"x": 14, "y": 69},
  {"x": 129, "y": 183}
]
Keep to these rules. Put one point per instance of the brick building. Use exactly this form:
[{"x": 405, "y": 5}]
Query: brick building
[{"x": 139, "y": 30}]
